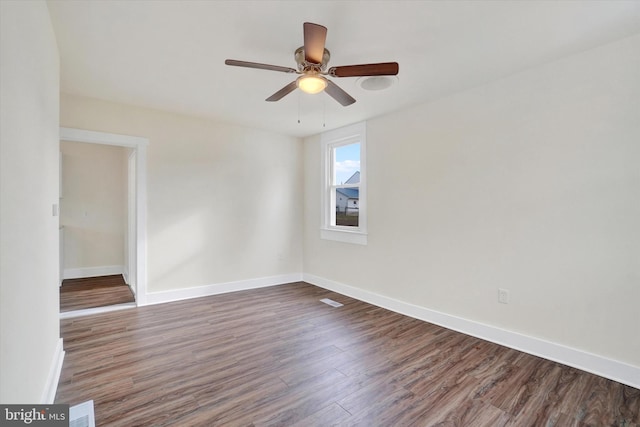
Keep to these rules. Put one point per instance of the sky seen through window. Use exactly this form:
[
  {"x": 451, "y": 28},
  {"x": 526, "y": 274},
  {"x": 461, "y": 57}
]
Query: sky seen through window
[{"x": 347, "y": 162}]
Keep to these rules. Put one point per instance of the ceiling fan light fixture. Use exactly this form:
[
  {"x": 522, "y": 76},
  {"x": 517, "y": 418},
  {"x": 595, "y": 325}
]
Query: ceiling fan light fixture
[{"x": 311, "y": 83}]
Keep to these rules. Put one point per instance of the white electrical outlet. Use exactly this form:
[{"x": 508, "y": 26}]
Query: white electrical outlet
[{"x": 503, "y": 296}]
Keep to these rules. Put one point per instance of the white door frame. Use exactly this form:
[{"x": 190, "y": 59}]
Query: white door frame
[
  {"x": 139, "y": 146},
  {"x": 130, "y": 255}
]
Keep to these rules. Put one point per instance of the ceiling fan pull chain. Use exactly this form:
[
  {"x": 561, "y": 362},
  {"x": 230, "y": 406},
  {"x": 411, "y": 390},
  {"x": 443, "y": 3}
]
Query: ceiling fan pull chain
[{"x": 298, "y": 108}]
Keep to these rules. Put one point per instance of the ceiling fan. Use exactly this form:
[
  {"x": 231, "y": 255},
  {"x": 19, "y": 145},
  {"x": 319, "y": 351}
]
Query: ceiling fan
[{"x": 312, "y": 59}]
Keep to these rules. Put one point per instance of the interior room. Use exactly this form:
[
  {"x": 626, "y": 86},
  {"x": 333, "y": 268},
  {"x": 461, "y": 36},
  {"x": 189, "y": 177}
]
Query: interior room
[{"x": 469, "y": 217}]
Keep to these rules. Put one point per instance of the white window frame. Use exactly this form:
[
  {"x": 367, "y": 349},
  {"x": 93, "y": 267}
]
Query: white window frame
[{"x": 351, "y": 134}]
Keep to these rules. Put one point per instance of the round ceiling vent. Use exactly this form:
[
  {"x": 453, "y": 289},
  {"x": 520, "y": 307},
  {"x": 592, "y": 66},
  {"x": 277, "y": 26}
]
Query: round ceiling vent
[{"x": 375, "y": 83}]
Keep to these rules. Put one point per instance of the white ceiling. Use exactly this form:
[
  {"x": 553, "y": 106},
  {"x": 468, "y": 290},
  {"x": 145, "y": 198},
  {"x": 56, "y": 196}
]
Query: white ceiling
[{"x": 170, "y": 55}]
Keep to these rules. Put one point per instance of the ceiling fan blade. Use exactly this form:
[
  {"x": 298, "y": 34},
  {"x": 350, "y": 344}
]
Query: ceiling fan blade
[
  {"x": 334, "y": 91},
  {"x": 380, "y": 69},
  {"x": 314, "y": 39},
  {"x": 259, "y": 66},
  {"x": 283, "y": 92}
]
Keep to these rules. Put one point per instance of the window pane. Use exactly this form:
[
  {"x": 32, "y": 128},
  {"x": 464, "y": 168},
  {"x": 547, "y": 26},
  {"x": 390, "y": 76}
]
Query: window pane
[
  {"x": 346, "y": 167},
  {"x": 347, "y": 206}
]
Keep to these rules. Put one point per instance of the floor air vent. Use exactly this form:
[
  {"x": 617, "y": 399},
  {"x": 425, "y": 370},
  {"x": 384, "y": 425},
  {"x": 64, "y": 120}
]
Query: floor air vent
[
  {"x": 331, "y": 302},
  {"x": 82, "y": 415}
]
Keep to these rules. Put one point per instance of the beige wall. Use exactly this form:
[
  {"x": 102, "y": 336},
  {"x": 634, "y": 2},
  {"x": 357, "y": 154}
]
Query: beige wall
[
  {"x": 224, "y": 202},
  {"x": 29, "y": 102},
  {"x": 93, "y": 205},
  {"x": 530, "y": 183}
]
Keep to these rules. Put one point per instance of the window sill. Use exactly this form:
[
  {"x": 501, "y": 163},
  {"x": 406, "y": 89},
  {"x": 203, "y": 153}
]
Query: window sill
[{"x": 346, "y": 236}]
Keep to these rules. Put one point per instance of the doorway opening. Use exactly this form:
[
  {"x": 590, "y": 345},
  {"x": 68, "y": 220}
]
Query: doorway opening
[{"x": 134, "y": 258}]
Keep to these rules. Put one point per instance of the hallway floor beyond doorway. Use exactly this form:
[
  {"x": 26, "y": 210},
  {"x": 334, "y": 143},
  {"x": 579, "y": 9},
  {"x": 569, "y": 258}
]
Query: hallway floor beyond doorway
[{"x": 91, "y": 292}]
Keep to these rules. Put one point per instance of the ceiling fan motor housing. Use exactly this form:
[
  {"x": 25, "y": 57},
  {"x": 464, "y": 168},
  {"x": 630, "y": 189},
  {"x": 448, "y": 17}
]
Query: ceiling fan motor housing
[{"x": 304, "y": 65}]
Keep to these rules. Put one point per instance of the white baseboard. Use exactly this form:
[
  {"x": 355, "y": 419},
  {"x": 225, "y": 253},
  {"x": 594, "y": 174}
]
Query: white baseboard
[
  {"x": 602, "y": 366},
  {"x": 51, "y": 386},
  {"x": 104, "y": 270},
  {"x": 219, "y": 288}
]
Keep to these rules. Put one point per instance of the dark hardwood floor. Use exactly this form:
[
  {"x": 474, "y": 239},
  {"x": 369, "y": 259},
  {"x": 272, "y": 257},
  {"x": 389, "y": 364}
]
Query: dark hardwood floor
[
  {"x": 279, "y": 357},
  {"x": 90, "y": 292}
]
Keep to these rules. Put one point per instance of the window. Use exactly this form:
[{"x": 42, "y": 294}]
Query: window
[{"x": 344, "y": 185}]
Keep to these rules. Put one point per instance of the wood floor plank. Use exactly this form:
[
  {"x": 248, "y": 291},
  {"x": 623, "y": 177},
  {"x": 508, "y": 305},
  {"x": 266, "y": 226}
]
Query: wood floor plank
[
  {"x": 332, "y": 415},
  {"x": 91, "y": 292},
  {"x": 278, "y": 356},
  {"x": 389, "y": 408}
]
